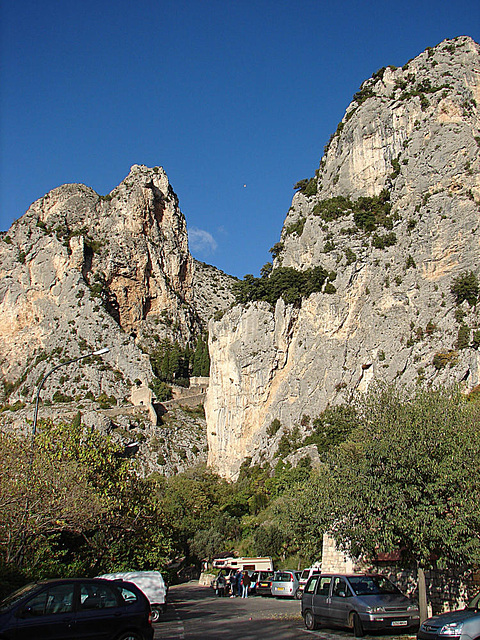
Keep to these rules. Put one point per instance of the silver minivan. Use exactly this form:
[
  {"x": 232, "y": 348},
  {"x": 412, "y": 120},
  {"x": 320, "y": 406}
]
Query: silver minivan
[
  {"x": 463, "y": 624},
  {"x": 285, "y": 584},
  {"x": 362, "y": 602}
]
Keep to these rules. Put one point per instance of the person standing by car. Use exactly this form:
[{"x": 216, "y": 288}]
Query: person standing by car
[
  {"x": 233, "y": 584},
  {"x": 221, "y": 584},
  {"x": 239, "y": 577},
  {"x": 245, "y": 584}
]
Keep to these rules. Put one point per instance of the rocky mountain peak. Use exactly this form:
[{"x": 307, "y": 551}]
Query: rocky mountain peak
[
  {"x": 80, "y": 271},
  {"x": 382, "y": 233}
]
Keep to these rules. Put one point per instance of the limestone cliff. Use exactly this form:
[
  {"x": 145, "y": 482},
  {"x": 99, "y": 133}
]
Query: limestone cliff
[
  {"x": 393, "y": 216},
  {"x": 81, "y": 271}
]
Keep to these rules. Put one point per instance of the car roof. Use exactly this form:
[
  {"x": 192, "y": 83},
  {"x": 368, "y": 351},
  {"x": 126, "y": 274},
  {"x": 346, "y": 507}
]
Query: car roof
[
  {"x": 76, "y": 579},
  {"x": 349, "y": 575}
]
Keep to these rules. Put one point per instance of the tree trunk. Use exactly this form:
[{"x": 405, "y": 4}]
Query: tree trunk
[{"x": 422, "y": 594}]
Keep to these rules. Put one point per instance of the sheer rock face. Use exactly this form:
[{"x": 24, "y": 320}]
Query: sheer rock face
[
  {"x": 414, "y": 133},
  {"x": 81, "y": 271}
]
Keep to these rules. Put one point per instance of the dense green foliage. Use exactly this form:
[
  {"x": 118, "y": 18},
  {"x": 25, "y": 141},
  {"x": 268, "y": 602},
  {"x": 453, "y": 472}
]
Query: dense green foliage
[
  {"x": 398, "y": 471},
  {"x": 172, "y": 363},
  {"x": 73, "y": 504},
  {"x": 368, "y": 212},
  {"x": 284, "y": 282},
  {"x": 408, "y": 478}
]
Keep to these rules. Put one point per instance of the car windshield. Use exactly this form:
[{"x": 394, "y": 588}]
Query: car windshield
[
  {"x": 372, "y": 585},
  {"x": 475, "y": 603},
  {"x": 14, "y": 597}
]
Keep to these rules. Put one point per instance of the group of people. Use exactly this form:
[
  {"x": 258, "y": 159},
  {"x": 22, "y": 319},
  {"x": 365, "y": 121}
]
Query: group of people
[{"x": 236, "y": 585}]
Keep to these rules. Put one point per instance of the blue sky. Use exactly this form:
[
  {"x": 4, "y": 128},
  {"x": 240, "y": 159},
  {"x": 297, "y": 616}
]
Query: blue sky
[{"x": 221, "y": 94}]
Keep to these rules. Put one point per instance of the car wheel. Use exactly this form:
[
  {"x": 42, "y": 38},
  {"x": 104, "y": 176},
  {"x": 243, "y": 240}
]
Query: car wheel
[
  {"x": 298, "y": 594},
  {"x": 356, "y": 624},
  {"x": 155, "y": 614},
  {"x": 310, "y": 621},
  {"x": 130, "y": 635}
]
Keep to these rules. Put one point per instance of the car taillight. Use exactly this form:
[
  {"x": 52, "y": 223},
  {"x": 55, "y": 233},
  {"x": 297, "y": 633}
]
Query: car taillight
[{"x": 150, "y": 617}]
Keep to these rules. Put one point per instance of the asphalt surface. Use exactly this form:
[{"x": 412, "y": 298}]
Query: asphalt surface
[{"x": 195, "y": 613}]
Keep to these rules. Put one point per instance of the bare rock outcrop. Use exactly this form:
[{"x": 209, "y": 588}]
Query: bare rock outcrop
[
  {"x": 392, "y": 215},
  {"x": 81, "y": 271}
]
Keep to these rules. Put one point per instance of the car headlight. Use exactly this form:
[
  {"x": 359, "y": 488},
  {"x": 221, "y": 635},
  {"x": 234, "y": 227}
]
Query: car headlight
[
  {"x": 375, "y": 609},
  {"x": 452, "y": 629}
]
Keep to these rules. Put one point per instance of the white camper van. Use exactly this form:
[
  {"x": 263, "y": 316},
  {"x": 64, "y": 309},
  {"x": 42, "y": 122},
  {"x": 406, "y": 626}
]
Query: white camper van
[
  {"x": 152, "y": 585},
  {"x": 244, "y": 564}
]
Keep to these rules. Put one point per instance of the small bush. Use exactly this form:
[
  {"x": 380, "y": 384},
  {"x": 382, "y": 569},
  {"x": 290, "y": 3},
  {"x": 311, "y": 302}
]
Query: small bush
[
  {"x": 463, "y": 337},
  {"x": 276, "y": 249},
  {"x": 106, "y": 402},
  {"x": 58, "y": 396},
  {"x": 161, "y": 390},
  {"x": 430, "y": 328},
  {"x": 274, "y": 427},
  {"x": 440, "y": 360},
  {"x": 350, "y": 255},
  {"x": 466, "y": 287},
  {"x": 396, "y": 168},
  {"x": 296, "y": 227},
  {"x": 410, "y": 263},
  {"x": 476, "y": 340},
  {"x": 387, "y": 240},
  {"x": 307, "y": 186}
]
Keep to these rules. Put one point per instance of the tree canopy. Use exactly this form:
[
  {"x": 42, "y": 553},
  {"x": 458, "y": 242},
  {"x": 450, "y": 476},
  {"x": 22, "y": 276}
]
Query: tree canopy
[
  {"x": 74, "y": 504},
  {"x": 407, "y": 479}
]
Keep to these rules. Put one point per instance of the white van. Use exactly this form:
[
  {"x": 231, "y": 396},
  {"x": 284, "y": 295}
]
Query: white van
[
  {"x": 151, "y": 583},
  {"x": 305, "y": 575}
]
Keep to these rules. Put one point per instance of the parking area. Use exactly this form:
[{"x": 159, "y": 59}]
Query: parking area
[{"x": 195, "y": 613}]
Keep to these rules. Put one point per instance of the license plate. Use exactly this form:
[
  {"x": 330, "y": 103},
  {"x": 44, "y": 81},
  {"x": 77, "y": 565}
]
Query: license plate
[
  {"x": 399, "y": 623},
  {"x": 263, "y": 584},
  {"x": 280, "y": 588}
]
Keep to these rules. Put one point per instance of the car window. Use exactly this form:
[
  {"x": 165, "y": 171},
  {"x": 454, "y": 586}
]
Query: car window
[
  {"x": 55, "y": 599},
  {"x": 128, "y": 595},
  {"x": 16, "y": 596},
  {"x": 283, "y": 577},
  {"x": 311, "y": 585},
  {"x": 324, "y": 585},
  {"x": 97, "y": 596},
  {"x": 305, "y": 574},
  {"x": 340, "y": 589},
  {"x": 372, "y": 585}
]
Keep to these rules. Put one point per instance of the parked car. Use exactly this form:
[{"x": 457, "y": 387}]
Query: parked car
[
  {"x": 151, "y": 583},
  {"x": 264, "y": 583},
  {"x": 76, "y": 608},
  {"x": 463, "y": 624},
  {"x": 225, "y": 576},
  {"x": 362, "y": 602},
  {"x": 304, "y": 576},
  {"x": 285, "y": 584}
]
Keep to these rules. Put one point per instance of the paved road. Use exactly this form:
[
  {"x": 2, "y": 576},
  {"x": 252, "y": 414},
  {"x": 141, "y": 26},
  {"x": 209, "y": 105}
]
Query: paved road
[{"x": 195, "y": 613}]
